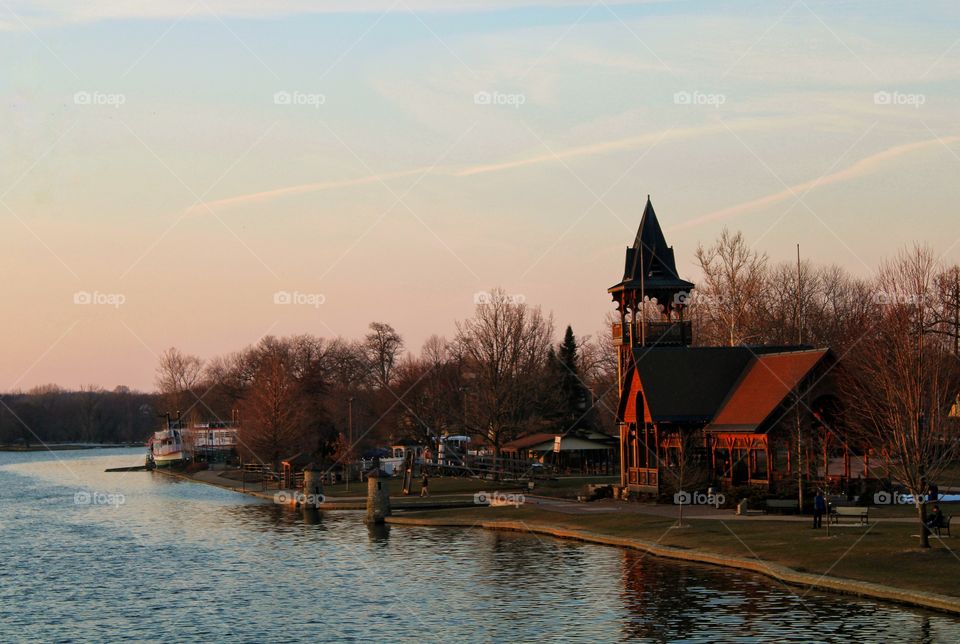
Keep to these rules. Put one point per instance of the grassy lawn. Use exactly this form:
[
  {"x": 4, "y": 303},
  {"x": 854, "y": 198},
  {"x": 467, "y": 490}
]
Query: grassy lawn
[
  {"x": 883, "y": 553},
  {"x": 569, "y": 487},
  {"x": 909, "y": 511}
]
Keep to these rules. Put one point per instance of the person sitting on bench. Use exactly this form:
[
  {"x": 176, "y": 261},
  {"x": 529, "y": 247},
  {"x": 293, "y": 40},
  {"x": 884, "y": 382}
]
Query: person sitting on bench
[{"x": 935, "y": 520}]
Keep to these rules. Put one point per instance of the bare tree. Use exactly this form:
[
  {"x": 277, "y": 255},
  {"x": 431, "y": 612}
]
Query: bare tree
[
  {"x": 505, "y": 348},
  {"x": 683, "y": 468},
  {"x": 429, "y": 391},
  {"x": 903, "y": 379},
  {"x": 89, "y": 416},
  {"x": 177, "y": 374},
  {"x": 947, "y": 313},
  {"x": 734, "y": 276},
  {"x": 383, "y": 347},
  {"x": 271, "y": 412}
]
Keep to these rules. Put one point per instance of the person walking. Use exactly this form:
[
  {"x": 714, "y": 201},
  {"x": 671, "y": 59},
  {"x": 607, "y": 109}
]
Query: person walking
[
  {"x": 819, "y": 508},
  {"x": 424, "y": 485}
]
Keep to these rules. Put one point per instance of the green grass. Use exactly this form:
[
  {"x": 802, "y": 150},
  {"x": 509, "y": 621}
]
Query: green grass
[{"x": 883, "y": 553}]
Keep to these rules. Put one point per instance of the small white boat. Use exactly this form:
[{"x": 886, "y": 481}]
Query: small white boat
[
  {"x": 212, "y": 441},
  {"x": 166, "y": 447}
]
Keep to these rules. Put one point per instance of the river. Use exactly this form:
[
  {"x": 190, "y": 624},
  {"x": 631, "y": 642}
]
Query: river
[{"x": 94, "y": 556}]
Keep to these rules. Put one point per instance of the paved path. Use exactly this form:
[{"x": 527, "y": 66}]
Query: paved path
[
  {"x": 690, "y": 512},
  {"x": 552, "y": 504}
]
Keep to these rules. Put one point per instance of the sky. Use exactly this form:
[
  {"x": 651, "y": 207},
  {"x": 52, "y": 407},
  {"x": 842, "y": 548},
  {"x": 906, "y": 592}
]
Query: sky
[{"x": 202, "y": 173}]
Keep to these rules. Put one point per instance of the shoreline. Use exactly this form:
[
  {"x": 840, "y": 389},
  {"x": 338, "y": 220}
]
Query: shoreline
[
  {"x": 784, "y": 574},
  {"x": 65, "y": 447},
  {"x": 268, "y": 495}
]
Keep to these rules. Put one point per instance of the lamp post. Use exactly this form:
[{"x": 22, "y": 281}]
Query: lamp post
[{"x": 349, "y": 440}]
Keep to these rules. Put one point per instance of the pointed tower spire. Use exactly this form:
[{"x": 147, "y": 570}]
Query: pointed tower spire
[
  {"x": 655, "y": 265},
  {"x": 650, "y": 273}
]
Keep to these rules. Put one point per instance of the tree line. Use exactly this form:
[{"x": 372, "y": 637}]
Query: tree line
[
  {"x": 499, "y": 378},
  {"x": 503, "y": 374},
  {"x": 51, "y": 414}
]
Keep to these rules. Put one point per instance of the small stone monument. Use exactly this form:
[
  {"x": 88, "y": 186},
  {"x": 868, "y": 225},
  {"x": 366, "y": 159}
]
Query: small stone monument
[
  {"x": 378, "y": 496},
  {"x": 312, "y": 486}
]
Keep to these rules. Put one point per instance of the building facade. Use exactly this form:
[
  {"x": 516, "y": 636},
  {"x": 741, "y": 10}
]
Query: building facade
[{"x": 692, "y": 416}]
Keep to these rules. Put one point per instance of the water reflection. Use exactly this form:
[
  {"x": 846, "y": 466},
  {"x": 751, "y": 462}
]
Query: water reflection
[
  {"x": 183, "y": 561},
  {"x": 379, "y": 532}
]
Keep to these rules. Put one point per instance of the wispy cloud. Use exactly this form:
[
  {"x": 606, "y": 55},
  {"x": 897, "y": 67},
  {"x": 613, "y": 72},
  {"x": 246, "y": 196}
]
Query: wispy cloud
[
  {"x": 863, "y": 167},
  {"x": 267, "y": 195},
  {"x": 570, "y": 153},
  {"x": 595, "y": 149},
  {"x": 53, "y": 12}
]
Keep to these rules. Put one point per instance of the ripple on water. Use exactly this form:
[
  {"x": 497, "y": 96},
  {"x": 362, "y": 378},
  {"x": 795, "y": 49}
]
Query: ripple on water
[{"x": 180, "y": 561}]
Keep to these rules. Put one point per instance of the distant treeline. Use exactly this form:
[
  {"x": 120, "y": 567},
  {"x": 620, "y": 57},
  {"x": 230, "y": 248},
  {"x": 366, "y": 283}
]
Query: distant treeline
[{"x": 51, "y": 414}]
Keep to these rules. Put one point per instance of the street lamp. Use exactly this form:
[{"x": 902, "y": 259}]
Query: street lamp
[{"x": 349, "y": 439}]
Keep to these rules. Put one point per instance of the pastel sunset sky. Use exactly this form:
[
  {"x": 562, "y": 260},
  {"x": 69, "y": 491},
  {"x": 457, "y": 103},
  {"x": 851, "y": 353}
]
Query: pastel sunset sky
[{"x": 172, "y": 173}]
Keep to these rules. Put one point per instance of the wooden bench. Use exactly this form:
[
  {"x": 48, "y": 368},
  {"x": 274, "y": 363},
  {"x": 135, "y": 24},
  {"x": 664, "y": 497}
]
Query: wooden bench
[
  {"x": 782, "y": 505},
  {"x": 944, "y": 526},
  {"x": 860, "y": 514}
]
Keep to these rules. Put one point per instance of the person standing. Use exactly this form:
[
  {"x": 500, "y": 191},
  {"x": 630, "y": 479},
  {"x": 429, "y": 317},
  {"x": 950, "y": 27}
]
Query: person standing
[
  {"x": 424, "y": 485},
  {"x": 819, "y": 508}
]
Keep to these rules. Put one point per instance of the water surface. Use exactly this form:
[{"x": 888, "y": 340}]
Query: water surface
[{"x": 92, "y": 556}]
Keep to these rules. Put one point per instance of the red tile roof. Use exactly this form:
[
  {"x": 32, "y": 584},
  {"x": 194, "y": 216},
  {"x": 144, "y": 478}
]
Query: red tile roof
[{"x": 763, "y": 386}]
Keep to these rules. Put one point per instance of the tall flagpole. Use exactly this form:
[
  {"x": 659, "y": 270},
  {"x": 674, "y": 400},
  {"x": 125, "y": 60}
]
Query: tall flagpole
[
  {"x": 799, "y": 302},
  {"x": 643, "y": 293}
]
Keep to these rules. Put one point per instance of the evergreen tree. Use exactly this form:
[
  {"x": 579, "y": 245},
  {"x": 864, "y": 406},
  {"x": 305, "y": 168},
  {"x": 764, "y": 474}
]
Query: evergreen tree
[{"x": 572, "y": 399}]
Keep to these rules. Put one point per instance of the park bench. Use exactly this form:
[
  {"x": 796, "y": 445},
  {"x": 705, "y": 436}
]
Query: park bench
[
  {"x": 860, "y": 514},
  {"x": 944, "y": 526},
  {"x": 782, "y": 505}
]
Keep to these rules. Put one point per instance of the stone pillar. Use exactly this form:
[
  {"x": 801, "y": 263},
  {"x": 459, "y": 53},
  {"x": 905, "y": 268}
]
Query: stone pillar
[
  {"x": 312, "y": 486},
  {"x": 378, "y": 496}
]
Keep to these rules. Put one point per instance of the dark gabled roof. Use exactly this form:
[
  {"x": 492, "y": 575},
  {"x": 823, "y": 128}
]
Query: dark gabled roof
[
  {"x": 688, "y": 384},
  {"x": 650, "y": 261},
  {"x": 693, "y": 384}
]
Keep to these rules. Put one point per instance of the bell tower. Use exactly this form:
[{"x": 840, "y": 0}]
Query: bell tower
[{"x": 649, "y": 276}]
